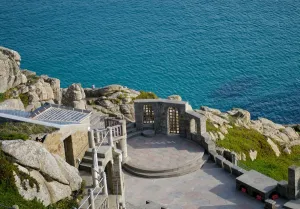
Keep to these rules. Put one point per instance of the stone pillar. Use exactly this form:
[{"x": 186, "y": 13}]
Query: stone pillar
[
  {"x": 293, "y": 182},
  {"x": 105, "y": 183},
  {"x": 234, "y": 159},
  {"x": 110, "y": 137},
  {"x": 124, "y": 127},
  {"x": 270, "y": 204},
  {"x": 117, "y": 175},
  {"x": 95, "y": 168},
  {"x": 203, "y": 125},
  {"x": 139, "y": 112},
  {"x": 123, "y": 141},
  {"x": 91, "y": 198},
  {"x": 98, "y": 137},
  {"x": 91, "y": 139}
]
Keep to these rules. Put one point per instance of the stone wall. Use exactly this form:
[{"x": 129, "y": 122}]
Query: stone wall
[
  {"x": 54, "y": 143},
  {"x": 161, "y": 123},
  {"x": 80, "y": 145}
]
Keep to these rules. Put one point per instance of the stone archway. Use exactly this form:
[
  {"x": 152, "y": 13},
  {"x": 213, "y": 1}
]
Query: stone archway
[
  {"x": 109, "y": 177},
  {"x": 68, "y": 146},
  {"x": 173, "y": 120},
  {"x": 193, "y": 126},
  {"x": 148, "y": 114}
]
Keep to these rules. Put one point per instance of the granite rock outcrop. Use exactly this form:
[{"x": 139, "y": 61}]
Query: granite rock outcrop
[{"x": 56, "y": 178}]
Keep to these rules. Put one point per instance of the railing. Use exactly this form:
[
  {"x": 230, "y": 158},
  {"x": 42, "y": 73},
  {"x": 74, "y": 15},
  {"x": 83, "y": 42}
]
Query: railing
[
  {"x": 93, "y": 194},
  {"x": 116, "y": 130},
  {"x": 98, "y": 137},
  {"x": 111, "y": 122}
]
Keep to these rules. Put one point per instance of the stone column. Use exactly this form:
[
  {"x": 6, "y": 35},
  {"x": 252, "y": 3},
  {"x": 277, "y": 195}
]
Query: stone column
[
  {"x": 293, "y": 182},
  {"x": 91, "y": 139},
  {"x": 105, "y": 183},
  {"x": 110, "y": 137},
  {"x": 203, "y": 125},
  {"x": 95, "y": 169},
  {"x": 139, "y": 112},
  {"x": 91, "y": 198}
]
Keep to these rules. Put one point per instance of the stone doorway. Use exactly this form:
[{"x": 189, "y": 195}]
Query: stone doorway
[
  {"x": 69, "y": 151},
  {"x": 173, "y": 118},
  {"x": 109, "y": 177}
]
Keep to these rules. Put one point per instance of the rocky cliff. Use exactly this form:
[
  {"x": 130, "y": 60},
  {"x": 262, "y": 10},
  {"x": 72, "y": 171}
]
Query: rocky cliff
[
  {"x": 23, "y": 89},
  {"x": 275, "y": 134},
  {"x": 53, "y": 178}
]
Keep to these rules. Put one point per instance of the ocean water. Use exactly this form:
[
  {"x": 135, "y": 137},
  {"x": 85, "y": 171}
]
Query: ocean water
[{"x": 224, "y": 54}]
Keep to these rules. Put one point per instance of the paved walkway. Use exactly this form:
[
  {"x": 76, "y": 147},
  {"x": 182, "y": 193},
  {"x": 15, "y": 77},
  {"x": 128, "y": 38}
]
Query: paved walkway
[
  {"x": 162, "y": 152},
  {"x": 208, "y": 188}
]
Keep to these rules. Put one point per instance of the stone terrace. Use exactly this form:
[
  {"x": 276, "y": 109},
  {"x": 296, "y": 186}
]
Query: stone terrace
[{"x": 208, "y": 188}]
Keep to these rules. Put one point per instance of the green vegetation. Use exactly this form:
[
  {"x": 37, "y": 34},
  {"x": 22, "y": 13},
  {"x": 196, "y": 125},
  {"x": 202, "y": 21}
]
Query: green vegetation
[
  {"x": 210, "y": 127},
  {"x": 122, "y": 96},
  {"x": 10, "y": 195},
  {"x": 25, "y": 99},
  {"x": 6, "y": 95},
  {"x": 242, "y": 140},
  {"x": 146, "y": 95},
  {"x": 9, "y": 192},
  {"x": 21, "y": 130}
]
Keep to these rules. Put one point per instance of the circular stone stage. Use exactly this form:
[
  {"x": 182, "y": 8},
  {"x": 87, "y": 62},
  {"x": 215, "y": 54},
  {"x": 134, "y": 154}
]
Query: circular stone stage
[{"x": 163, "y": 156}]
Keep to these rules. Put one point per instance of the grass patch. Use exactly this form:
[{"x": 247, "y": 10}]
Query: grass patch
[
  {"x": 240, "y": 139},
  {"x": 147, "y": 95},
  {"x": 21, "y": 130},
  {"x": 210, "y": 127},
  {"x": 6, "y": 95},
  {"x": 25, "y": 99},
  {"x": 8, "y": 190}
]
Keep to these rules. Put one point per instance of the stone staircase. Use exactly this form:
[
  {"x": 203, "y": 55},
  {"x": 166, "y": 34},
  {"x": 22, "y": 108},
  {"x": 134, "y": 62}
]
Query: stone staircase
[
  {"x": 87, "y": 161},
  {"x": 188, "y": 167}
]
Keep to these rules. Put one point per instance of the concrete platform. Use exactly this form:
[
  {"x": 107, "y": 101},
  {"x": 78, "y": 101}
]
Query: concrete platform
[
  {"x": 257, "y": 183},
  {"x": 210, "y": 187},
  {"x": 171, "y": 155},
  {"x": 292, "y": 204}
]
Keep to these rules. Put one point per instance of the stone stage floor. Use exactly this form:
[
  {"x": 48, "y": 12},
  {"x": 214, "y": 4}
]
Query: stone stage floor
[
  {"x": 210, "y": 187},
  {"x": 162, "y": 152}
]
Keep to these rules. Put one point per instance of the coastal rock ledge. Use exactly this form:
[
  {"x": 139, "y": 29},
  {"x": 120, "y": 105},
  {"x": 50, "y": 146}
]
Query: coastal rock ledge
[{"x": 56, "y": 179}]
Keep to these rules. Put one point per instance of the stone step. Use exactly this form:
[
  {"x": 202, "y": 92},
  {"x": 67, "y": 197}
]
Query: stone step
[
  {"x": 103, "y": 151},
  {"x": 148, "y": 133},
  {"x": 134, "y": 134},
  {"x": 195, "y": 161},
  {"x": 131, "y": 130},
  {"x": 181, "y": 172},
  {"x": 89, "y": 160},
  {"x": 85, "y": 167},
  {"x": 185, "y": 169},
  {"x": 130, "y": 125}
]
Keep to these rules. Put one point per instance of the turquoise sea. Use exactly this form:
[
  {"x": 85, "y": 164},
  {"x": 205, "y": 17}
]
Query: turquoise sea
[{"x": 231, "y": 53}]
